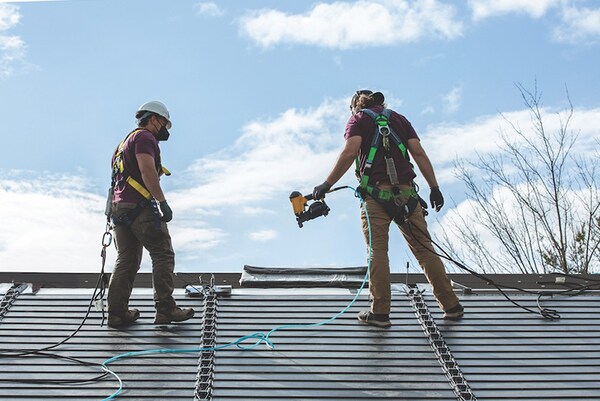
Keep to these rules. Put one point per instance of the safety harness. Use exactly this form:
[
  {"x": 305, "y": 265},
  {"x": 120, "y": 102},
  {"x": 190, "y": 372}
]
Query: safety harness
[
  {"x": 398, "y": 203},
  {"x": 118, "y": 168}
]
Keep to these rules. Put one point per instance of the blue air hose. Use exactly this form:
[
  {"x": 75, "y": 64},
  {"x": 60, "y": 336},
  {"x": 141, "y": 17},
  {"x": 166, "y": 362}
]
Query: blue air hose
[{"x": 258, "y": 336}]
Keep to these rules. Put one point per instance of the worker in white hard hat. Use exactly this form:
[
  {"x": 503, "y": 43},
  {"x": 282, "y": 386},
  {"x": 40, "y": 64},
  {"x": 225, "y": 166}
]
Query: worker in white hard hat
[{"x": 136, "y": 200}]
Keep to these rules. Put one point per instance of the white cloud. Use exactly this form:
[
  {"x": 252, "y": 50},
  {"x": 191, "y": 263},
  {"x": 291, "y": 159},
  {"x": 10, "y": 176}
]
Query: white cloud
[
  {"x": 467, "y": 214},
  {"x": 256, "y": 211},
  {"x": 294, "y": 150},
  {"x": 345, "y": 25},
  {"x": 190, "y": 236},
  {"x": 576, "y": 25},
  {"x": 298, "y": 148},
  {"x": 445, "y": 142},
  {"x": 428, "y": 110},
  {"x": 12, "y": 48},
  {"x": 452, "y": 100},
  {"x": 48, "y": 224},
  {"x": 9, "y": 16},
  {"x": 209, "y": 9},
  {"x": 482, "y": 9},
  {"x": 263, "y": 235},
  {"x": 579, "y": 25},
  {"x": 48, "y": 221},
  {"x": 55, "y": 224}
]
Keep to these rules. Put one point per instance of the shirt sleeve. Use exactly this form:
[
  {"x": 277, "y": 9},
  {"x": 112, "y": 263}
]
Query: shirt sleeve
[
  {"x": 352, "y": 127},
  {"x": 145, "y": 143},
  {"x": 406, "y": 128}
]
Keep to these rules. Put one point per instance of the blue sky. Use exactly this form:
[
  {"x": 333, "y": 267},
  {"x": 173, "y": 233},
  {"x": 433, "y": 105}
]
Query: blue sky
[{"x": 258, "y": 93}]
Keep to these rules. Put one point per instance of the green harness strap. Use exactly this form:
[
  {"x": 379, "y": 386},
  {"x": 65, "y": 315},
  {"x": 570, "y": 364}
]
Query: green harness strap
[
  {"x": 386, "y": 195},
  {"x": 382, "y": 136}
]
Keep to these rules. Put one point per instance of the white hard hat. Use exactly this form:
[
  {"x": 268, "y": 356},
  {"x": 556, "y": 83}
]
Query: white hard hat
[{"x": 155, "y": 107}]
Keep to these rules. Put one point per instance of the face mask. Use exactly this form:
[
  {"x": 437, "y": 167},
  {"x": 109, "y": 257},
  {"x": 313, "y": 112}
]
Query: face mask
[{"x": 163, "y": 134}]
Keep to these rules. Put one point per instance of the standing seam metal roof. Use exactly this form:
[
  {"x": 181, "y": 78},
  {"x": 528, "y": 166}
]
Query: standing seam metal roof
[{"x": 503, "y": 352}]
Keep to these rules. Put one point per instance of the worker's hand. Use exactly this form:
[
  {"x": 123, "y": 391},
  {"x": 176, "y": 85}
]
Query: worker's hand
[
  {"x": 320, "y": 190},
  {"x": 436, "y": 199},
  {"x": 167, "y": 213}
]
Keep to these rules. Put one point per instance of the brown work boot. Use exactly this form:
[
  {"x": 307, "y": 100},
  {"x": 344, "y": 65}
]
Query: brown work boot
[
  {"x": 174, "y": 315},
  {"x": 123, "y": 319}
]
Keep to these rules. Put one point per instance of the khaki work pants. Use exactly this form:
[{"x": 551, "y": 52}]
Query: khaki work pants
[
  {"x": 418, "y": 240},
  {"x": 130, "y": 241}
]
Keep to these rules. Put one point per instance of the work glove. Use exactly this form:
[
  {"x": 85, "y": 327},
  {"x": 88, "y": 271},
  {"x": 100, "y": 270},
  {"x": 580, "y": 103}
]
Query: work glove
[
  {"x": 167, "y": 213},
  {"x": 320, "y": 190},
  {"x": 436, "y": 199}
]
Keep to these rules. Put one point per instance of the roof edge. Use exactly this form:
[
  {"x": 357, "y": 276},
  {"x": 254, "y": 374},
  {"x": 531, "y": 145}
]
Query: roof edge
[{"x": 144, "y": 280}]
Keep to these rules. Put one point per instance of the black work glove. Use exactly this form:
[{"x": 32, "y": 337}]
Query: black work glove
[
  {"x": 436, "y": 199},
  {"x": 320, "y": 190},
  {"x": 167, "y": 213}
]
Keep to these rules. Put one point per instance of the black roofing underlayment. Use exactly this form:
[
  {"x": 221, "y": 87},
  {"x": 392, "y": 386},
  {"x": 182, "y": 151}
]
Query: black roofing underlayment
[{"x": 503, "y": 352}]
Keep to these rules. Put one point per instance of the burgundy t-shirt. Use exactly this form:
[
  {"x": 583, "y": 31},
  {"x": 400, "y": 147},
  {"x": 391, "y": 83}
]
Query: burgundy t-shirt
[
  {"x": 141, "y": 141},
  {"x": 360, "y": 124}
]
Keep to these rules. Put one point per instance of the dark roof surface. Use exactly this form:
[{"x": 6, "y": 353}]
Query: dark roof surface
[
  {"x": 506, "y": 353},
  {"x": 35, "y": 321},
  {"x": 503, "y": 352}
]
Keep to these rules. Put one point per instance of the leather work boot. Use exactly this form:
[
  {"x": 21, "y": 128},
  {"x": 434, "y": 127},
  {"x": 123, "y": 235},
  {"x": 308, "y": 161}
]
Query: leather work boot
[
  {"x": 123, "y": 319},
  {"x": 174, "y": 315},
  {"x": 373, "y": 319}
]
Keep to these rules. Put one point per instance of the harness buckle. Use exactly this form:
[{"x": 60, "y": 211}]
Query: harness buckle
[{"x": 384, "y": 131}]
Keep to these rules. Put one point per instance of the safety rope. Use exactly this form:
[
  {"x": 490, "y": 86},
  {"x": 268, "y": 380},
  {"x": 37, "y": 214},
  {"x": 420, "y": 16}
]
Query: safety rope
[
  {"x": 449, "y": 365},
  {"x": 100, "y": 291},
  {"x": 10, "y": 297},
  {"x": 208, "y": 340}
]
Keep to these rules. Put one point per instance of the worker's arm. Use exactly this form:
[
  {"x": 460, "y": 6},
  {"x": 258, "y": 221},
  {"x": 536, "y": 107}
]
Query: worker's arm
[
  {"x": 345, "y": 159},
  {"x": 150, "y": 176},
  {"x": 420, "y": 157},
  {"x": 343, "y": 163}
]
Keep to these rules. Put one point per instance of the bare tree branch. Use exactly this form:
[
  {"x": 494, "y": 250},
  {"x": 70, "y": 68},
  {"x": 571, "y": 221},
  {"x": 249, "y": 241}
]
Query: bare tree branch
[{"x": 536, "y": 199}]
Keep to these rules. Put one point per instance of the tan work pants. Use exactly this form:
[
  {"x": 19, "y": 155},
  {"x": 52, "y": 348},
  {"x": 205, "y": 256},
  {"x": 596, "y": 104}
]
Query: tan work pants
[
  {"x": 418, "y": 240},
  {"x": 130, "y": 240}
]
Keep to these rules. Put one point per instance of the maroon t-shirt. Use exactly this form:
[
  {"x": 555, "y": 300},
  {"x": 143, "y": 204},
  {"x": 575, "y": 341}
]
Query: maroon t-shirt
[
  {"x": 360, "y": 124},
  {"x": 141, "y": 141}
]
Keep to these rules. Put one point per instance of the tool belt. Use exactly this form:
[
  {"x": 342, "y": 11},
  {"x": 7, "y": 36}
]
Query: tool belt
[
  {"x": 128, "y": 218},
  {"x": 398, "y": 203}
]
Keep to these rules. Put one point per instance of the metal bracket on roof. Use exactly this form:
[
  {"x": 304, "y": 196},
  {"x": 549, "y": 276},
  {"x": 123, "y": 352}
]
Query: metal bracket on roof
[
  {"x": 440, "y": 348},
  {"x": 208, "y": 341},
  {"x": 10, "y": 297}
]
